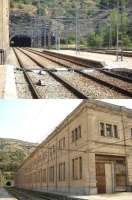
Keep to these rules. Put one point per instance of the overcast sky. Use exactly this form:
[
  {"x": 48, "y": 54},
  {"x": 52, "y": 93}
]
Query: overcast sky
[{"x": 33, "y": 120}]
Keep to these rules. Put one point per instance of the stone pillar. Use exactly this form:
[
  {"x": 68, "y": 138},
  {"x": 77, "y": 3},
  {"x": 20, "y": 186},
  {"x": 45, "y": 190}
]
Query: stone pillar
[
  {"x": 89, "y": 164},
  {"x": 127, "y": 148},
  {"x": 129, "y": 173},
  {"x": 90, "y": 174},
  {"x": 4, "y": 25}
]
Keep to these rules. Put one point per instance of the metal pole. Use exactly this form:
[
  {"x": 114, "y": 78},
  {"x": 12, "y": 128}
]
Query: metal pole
[
  {"x": 117, "y": 32},
  {"x": 39, "y": 33},
  {"x": 49, "y": 36},
  {"x": 67, "y": 41},
  {"x": 122, "y": 31},
  {"x": 110, "y": 36},
  {"x": 56, "y": 39},
  {"x": 77, "y": 30},
  {"x": 45, "y": 37},
  {"x": 59, "y": 41}
]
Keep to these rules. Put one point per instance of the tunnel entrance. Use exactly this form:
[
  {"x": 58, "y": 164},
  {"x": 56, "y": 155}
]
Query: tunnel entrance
[
  {"x": 8, "y": 183},
  {"x": 20, "y": 41}
]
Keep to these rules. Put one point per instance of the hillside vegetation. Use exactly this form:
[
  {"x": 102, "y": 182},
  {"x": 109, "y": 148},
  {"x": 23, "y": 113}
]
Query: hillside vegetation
[
  {"x": 102, "y": 13},
  {"x": 45, "y": 6},
  {"x": 12, "y": 153}
]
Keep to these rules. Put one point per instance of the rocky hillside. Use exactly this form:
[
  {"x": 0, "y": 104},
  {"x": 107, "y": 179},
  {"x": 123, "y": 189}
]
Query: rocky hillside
[
  {"x": 50, "y": 7},
  {"x": 12, "y": 153}
]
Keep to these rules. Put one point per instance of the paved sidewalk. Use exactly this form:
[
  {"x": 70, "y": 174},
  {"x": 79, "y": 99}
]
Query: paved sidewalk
[
  {"x": 4, "y": 195},
  {"x": 115, "y": 196},
  {"x": 109, "y": 61}
]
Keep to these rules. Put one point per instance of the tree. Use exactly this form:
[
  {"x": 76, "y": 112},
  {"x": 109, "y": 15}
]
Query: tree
[{"x": 95, "y": 40}]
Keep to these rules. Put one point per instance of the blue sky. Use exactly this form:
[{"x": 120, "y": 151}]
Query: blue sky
[{"x": 33, "y": 120}]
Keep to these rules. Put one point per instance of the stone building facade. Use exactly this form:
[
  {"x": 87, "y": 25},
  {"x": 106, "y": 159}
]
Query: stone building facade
[
  {"x": 4, "y": 24},
  {"x": 89, "y": 152}
]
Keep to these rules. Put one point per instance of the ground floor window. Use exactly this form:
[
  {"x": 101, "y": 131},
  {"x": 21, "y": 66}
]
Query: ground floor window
[
  {"x": 77, "y": 168},
  {"x": 62, "y": 171},
  {"x": 44, "y": 176},
  {"x": 120, "y": 174},
  {"x": 51, "y": 174}
]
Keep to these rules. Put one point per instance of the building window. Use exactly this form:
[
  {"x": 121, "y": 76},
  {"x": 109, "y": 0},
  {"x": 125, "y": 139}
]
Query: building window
[
  {"x": 79, "y": 132},
  {"x": 51, "y": 174},
  {"x": 76, "y": 134},
  {"x": 115, "y": 131},
  {"x": 62, "y": 143},
  {"x": 102, "y": 129},
  {"x": 44, "y": 176},
  {"x": 52, "y": 151},
  {"x": 109, "y": 130},
  {"x": 131, "y": 132},
  {"x": 62, "y": 171},
  {"x": 73, "y": 136},
  {"x": 77, "y": 168}
]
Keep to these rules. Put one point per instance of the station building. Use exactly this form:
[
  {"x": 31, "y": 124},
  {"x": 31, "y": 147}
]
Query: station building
[{"x": 90, "y": 152}]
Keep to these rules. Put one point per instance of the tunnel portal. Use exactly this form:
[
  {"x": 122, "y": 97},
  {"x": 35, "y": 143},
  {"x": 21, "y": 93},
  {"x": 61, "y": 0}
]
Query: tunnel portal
[{"x": 20, "y": 41}]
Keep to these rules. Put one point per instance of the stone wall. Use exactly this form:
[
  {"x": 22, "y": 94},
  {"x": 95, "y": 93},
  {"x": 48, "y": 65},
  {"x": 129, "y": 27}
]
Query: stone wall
[{"x": 4, "y": 24}]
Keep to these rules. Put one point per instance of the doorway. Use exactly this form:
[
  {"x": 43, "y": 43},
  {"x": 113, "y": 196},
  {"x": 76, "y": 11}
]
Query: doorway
[{"x": 110, "y": 174}]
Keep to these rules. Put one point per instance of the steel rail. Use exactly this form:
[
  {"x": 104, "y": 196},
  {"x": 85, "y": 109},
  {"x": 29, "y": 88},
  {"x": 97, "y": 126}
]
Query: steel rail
[
  {"x": 63, "y": 82},
  {"x": 112, "y": 74},
  {"x": 75, "y": 60},
  {"x": 100, "y": 81},
  {"x": 33, "y": 90},
  {"x": 23, "y": 194}
]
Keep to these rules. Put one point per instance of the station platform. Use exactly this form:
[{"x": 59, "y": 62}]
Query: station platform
[
  {"x": 7, "y": 82},
  {"x": 4, "y": 195},
  {"x": 108, "y": 61}
]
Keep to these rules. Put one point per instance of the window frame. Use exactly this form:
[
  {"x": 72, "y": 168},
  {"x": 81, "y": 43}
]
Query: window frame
[
  {"x": 77, "y": 168},
  {"x": 114, "y": 131}
]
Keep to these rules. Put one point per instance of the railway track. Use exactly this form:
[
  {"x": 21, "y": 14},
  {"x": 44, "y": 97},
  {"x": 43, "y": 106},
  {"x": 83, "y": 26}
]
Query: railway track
[
  {"x": 32, "y": 88},
  {"x": 69, "y": 90},
  {"x": 22, "y": 194},
  {"x": 79, "y": 64},
  {"x": 104, "y": 77},
  {"x": 19, "y": 195}
]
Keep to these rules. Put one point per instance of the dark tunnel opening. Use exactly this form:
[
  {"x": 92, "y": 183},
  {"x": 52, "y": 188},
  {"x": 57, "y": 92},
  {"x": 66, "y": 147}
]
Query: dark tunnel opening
[
  {"x": 8, "y": 184},
  {"x": 20, "y": 41}
]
